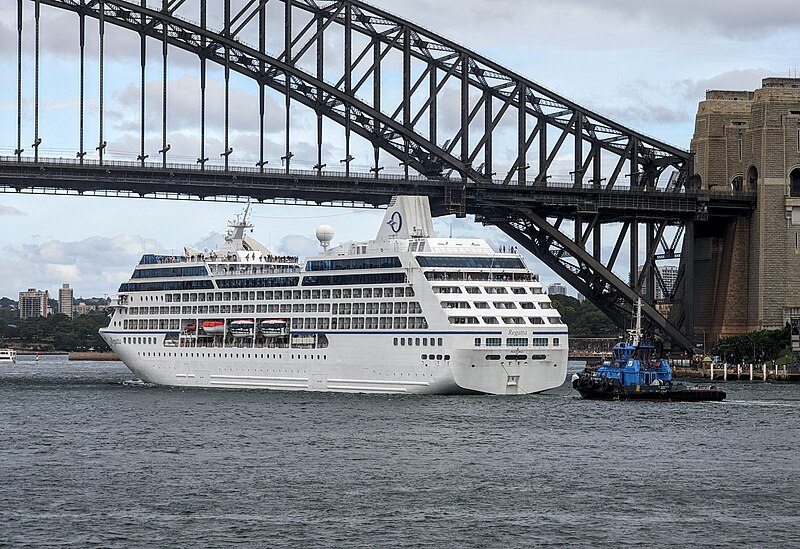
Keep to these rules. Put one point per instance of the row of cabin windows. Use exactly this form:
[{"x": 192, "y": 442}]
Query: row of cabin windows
[
  {"x": 339, "y": 323},
  {"x": 491, "y": 290},
  {"x": 516, "y": 342},
  {"x": 504, "y": 319},
  {"x": 471, "y": 276},
  {"x": 495, "y": 304},
  {"x": 266, "y": 295},
  {"x": 399, "y": 307}
]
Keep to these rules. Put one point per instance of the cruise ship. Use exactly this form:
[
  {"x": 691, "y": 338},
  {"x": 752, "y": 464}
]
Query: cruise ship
[{"x": 406, "y": 312}]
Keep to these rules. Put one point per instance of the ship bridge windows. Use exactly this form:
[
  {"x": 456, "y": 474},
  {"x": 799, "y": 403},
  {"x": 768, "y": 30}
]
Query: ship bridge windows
[
  {"x": 490, "y": 320},
  {"x": 481, "y": 305},
  {"x": 504, "y": 305},
  {"x": 527, "y": 305},
  {"x": 518, "y": 291},
  {"x": 455, "y": 305},
  {"x": 554, "y": 320},
  {"x": 473, "y": 289},
  {"x": 535, "y": 320}
]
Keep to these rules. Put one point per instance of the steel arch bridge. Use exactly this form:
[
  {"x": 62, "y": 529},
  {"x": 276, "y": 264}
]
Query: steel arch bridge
[{"x": 390, "y": 91}]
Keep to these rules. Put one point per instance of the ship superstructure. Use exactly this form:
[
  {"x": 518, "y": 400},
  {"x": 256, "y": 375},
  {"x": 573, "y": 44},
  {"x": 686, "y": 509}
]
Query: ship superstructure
[{"x": 405, "y": 312}]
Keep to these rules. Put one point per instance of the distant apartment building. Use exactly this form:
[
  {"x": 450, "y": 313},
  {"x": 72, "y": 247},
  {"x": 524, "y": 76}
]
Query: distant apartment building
[
  {"x": 32, "y": 303},
  {"x": 669, "y": 274},
  {"x": 556, "y": 288},
  {"x": 65, "y": 301}
]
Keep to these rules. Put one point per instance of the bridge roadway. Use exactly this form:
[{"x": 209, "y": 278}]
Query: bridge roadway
[{"x": 187, "y": 181}]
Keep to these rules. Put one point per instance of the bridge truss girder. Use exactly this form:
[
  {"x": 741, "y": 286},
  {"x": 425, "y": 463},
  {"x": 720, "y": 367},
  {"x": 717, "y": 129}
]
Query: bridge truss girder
[{"x": 595, "y": 280}]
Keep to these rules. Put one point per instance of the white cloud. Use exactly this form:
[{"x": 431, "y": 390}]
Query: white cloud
[{"x": 93, "y": 266}]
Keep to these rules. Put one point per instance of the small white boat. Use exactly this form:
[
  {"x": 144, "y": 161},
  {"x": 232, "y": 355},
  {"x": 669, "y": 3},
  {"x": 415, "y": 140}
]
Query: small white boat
[{"x": 8, "y": 356}]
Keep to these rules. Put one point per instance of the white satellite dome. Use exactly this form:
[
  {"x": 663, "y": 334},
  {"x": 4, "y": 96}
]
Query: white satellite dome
[{"x": 325, "y": 235}]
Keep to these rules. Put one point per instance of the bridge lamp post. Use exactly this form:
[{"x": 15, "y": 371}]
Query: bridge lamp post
[
  {"x": 163, "y": 153},
  {"x": 35, "y": 146},
  {"x": 376, "y": 170},
  {"x": 100, "y": 148},
  {"x": 141, "y": 158},
  {"x": 79, "y": 155},
  {"x": 18, "y": 153},
  {"x": 347, "y": 161},
  {"x": 286, "y": 159},
  {"x": 202, "y": 162},
  {"x": 225, "y": 155},
  {"x": 260, "y": 165},
  {"x": 319, "y": 167}
]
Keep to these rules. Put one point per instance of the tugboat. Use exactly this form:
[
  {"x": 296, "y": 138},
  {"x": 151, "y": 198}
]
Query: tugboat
[{"x": 635, "y": 373}]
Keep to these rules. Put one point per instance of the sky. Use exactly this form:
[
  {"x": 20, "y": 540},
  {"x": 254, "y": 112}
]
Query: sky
[{"x": 643, "y": 63}]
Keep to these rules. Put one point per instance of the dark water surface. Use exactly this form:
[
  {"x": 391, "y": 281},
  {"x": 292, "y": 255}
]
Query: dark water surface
[{"x": 89, "y": 459}]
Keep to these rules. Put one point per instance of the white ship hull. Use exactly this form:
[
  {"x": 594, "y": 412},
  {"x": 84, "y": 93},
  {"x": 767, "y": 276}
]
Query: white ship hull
[{"x": 364, "y": 364}]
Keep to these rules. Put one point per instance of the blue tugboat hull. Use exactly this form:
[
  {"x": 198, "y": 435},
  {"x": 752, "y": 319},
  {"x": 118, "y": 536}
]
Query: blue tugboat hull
[{"x": 588, "y": 388}]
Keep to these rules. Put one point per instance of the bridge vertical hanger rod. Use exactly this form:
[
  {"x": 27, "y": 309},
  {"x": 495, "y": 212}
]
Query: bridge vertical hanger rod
[
  {"x": 203, "y": 23},
  {"x": 597, "y": 177},
  {"x": 164, "y": 49},
  {"x": 376, "y": 93},
  {"x": 434, "y": 111},
  {"x": 522, "y": 131},
  {"x": 650, "y": 264},
  {"x": 262, "y": 48},
  {"x": 406, "y": 95},
  {"x": 464, "y": 110},
  {"x": 348, "y": 81},
  {"x": 102, "y": 144},
  {"x": 321, "y": 77},
  {"x": 18, "y": 152},
  {"x": 36, "y": 141},
  {"x": 143, "y": 99},
  {"x": 287, "y": 44},
  {"x": 543, "y": 166},
  {"x": 578, "y": 161},
  {"x": 81, "y": 110},
  {"x": 226, "y": 123},
  {"x": 634, "y": 256},
  {"x": 488, "y": 133}
]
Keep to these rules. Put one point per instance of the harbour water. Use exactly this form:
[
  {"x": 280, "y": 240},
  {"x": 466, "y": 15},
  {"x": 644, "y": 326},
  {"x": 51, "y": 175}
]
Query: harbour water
[{"x": 90, "y": 458}]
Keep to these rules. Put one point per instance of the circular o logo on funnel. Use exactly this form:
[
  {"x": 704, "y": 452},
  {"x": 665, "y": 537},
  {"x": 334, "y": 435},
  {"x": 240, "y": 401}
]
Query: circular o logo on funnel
[{"x": 395, "y": 222}]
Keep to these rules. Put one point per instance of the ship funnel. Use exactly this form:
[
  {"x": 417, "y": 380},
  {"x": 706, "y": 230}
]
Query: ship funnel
[{"x": 407, "y": 217}]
